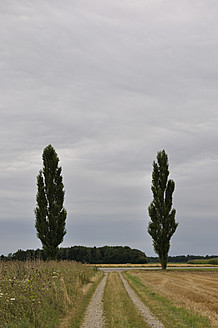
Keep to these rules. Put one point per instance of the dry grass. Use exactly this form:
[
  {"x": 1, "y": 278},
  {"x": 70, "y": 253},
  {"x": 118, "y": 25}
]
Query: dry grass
[
  {"x": 74, "y": 317},
  {"x": 86, "y": 288},
  {"x": 40, "y": 294},
  {"x": 119, "y": 311},
  {"x": 196, "y": 291}
]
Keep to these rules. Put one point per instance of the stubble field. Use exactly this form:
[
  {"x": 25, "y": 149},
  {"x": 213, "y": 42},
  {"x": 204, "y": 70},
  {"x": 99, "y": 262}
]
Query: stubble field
[{"x": 165, "y": 292}]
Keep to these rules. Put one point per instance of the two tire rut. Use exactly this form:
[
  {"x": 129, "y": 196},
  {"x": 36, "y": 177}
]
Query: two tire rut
[{"x": 94, "y": 314}]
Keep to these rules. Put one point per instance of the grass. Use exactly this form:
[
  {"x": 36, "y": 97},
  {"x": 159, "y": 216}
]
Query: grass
[
  {"x": 56, "y": 294},
  {"x": 43, "y": 294},
  {"x": 74, "y": 318},
  {"x": 205, "y": 262},
  {"x": 119, "y": 311},
  {"x": 178, "y": 299}
]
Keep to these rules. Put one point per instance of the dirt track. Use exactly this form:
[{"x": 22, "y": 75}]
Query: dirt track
[
  {"x": 151, "y": 320},
  {"x": 94, "y": 314}
]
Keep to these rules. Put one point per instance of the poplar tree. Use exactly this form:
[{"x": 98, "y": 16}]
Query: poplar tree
[
  {"x": 49, "y": 212},
  {"x": 162, "y": 225}
]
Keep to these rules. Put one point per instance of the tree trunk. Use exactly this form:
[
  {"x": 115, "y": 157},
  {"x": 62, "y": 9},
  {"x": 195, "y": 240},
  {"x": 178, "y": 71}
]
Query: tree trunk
[
  {"x": 164, "y": 265},
  {"x": 163, "y": 262}
]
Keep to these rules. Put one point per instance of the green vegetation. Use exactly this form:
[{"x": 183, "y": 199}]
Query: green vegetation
[
  {"x": 43, "y": 294},
  {"x": 170, "y": 314},
  {"x": 182, "y": 258},
  {"x": 91, "y": 255},
  {"x": 119, "y": 311},
  {"x": 50, "y": 213},
  {"x": 213, "y": 261},
  {"x": 106, "y": 254},
  {"x": 162, "y": 225}
]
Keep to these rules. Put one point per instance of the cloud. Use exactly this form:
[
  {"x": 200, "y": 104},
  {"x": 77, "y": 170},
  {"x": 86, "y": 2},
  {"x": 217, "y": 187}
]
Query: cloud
[{"x": 109, "y": 84}]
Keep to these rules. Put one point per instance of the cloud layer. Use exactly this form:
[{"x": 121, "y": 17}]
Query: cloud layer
[{"x": 109, "y": 84}]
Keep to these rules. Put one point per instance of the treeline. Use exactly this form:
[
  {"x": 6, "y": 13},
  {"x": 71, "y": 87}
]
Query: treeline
[
  {"x": 90, "y": 255},
  {"x": 182, "y": 258},
  {"x": 101, "y": 255}
]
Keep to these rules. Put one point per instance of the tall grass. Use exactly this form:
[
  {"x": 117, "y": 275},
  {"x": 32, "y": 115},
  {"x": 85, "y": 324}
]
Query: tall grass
[{"x": 40, "y": 294}]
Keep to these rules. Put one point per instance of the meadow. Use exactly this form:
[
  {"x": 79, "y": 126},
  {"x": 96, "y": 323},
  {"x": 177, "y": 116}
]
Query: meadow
[{"x": 45, "y": 294}]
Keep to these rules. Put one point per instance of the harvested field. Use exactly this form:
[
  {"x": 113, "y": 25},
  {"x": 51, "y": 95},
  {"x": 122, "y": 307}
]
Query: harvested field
[
  {"x": 155, "y": 265},
  {"x": 195, "y": 290}
]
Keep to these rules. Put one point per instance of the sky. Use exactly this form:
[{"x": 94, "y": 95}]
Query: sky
[{"x": 109, "y": 84}]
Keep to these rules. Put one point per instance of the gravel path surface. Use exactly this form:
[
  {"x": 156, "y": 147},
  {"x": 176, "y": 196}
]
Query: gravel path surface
[
  {"x": 94, "y": 313},
  {"x": 150, "y": 319}
]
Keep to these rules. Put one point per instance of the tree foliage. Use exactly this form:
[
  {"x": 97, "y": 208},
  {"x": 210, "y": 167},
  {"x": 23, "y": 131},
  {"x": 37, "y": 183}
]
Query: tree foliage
[
  {"x": 162, "y": 225},
  {"x": 103, "y": 255},
  {"x": 92, "y": 255},
  {"x": 50, "y": 213}
]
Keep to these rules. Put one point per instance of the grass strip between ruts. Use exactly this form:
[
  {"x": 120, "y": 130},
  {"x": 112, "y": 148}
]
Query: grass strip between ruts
[
  {"x": 170, "y": 314},
  {"x": 119, "y": 311}
]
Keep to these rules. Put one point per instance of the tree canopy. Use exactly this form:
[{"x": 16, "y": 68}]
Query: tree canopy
[
  {"x": 50, "y": 213},
  {"x": 91, "y": 255},
  {"x": 162, "y": 225}
]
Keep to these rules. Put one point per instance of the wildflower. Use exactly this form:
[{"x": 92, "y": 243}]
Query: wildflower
[{"x": 12, "y": 299}]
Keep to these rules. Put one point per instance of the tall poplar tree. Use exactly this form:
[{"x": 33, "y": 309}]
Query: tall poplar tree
[
  {"x": 162, "y": 225},
  {"x": 49, "y": 212}
]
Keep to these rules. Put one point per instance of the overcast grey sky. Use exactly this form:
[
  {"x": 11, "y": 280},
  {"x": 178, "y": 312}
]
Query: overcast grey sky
[{"x": 109, "y": 84}]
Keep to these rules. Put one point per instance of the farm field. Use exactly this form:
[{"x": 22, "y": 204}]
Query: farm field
[
  {"x": 57, "y": 294},
  {"x": 154, "y": 265},
  {"x": 179, "y": 298},
  {"x": 213, "y": 261}
]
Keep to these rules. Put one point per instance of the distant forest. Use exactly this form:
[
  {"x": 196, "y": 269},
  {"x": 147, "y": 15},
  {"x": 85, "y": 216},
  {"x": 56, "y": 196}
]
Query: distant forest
[
  {"x": 101, "y": 255},
  {"x": 182, "y": 258},
  {"x": 90, "y": 255}
]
